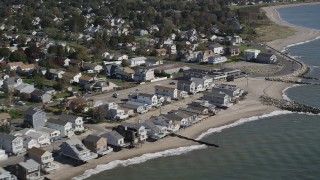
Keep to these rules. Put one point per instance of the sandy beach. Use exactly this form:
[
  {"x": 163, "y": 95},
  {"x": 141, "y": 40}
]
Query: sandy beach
[
  {"x": 251, "y": 106},
  {"x": 302, "y": 34}
]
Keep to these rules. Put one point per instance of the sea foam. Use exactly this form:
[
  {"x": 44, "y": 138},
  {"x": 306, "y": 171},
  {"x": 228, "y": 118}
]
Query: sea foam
[
  {"x": 299, "y": 43},
  {"x": 175, "y": 151},
  {"x": 138, "y": 160},
  {"x": 242, "y": 121}
]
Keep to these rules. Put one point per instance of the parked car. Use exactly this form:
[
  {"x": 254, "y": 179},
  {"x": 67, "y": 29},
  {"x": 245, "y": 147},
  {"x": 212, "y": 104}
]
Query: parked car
[
  {"x": 20, "y": 103},
  {"x": 115, "y": 95},
  {"x": 172, "y": 83}
]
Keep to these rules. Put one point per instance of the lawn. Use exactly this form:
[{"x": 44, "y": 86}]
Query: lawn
[
  {"x": 272, "y": 32},
  {"x": 62, "y": 95}
]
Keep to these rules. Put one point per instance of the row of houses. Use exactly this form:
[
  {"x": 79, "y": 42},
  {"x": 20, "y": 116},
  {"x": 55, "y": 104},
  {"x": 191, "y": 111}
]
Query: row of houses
[{"x": 256, "y": 55}]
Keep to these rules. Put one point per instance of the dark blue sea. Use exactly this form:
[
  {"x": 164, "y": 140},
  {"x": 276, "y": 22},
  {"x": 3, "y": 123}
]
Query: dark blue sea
[{"x": 280, "y": 146}]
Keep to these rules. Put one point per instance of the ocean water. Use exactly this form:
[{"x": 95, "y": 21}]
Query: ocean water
[{"x": 280, "y": 145}]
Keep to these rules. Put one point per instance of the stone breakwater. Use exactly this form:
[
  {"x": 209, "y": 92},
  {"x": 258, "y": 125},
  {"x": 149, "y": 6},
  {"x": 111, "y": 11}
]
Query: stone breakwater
[
  {"x": 289, "y": 105},
  {"x": 290, "y": 81}
]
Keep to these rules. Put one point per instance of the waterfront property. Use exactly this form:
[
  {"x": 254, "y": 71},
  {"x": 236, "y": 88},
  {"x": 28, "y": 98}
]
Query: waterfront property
[
  {"x": 266, "y": 58},
  {"x": 74, "y": 149},
  {"x": 44, "y": 158},
  {"x": 6, "y": 175},
  {"x": 28, "y": 170},
  {"x": 97, "y": 144},
  {"x": 140, "y": 131},
  {"x": 114, "y": 139},
  {"x": 154, "y": 131},
  {"x": 217, "y": 98}
]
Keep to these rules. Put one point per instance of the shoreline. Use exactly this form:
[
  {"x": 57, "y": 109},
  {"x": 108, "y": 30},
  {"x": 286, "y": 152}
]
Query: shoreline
[
  {"x": 251, "y": 107},
  {"x": 302, "y": 34}
]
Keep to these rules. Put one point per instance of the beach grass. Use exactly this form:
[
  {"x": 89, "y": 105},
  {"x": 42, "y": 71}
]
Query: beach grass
[{"x": 272, "y": 31}]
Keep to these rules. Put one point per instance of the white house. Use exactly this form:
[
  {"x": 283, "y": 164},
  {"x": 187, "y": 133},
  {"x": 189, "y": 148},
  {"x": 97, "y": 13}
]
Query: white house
[
  {"x": 250, "y": 54},
  {"x": 216, "y": 59},
  {"x": 65, "y": 127},
  {"x": 217, "y": 98},
  {"x": 216, "y": 48},
  {"x": 3, "y": 156},
  {"x": 32, "y": 138},
  {"x": 53, "y": 133},
  {"x": 114, "y": 138},
  {"x": 137, "y": 61},
  {"x": 166, "y": 91},
  {"x": 11, "y": 144},
  {"x": 77, "y": 121},
  {"x": 150, "y": 99}
]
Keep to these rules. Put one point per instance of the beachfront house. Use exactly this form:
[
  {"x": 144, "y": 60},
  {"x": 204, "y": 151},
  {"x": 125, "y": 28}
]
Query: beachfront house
[
  {"x": 6, "y": 175},
  {"x": 29, "y": 169},
  {"x": 97, "y": 144},
  {"x": 154, "y": 131},
  {"x": 12, "y": 144},
  {"x": 162, "y": 120},
  {"x": 75, "y": 149},
  {"x": 44, "y": 158},
  {"x": 114, "y": 139},
  {"x": 140, "y": 131},
  {"x": 231, "y": 90},
  {"x": 217, "y": 98}
]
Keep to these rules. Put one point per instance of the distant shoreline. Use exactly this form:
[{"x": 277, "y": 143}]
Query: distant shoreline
[
  {"x": 302, "y": 34},
  {"x": 245, "y": 109}
]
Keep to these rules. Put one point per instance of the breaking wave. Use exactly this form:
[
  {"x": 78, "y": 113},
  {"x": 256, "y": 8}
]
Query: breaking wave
[
  {"x": 299, "y": 43},
  {"x": 242, "y": 121},
  {"x": 138, "y": 160}
]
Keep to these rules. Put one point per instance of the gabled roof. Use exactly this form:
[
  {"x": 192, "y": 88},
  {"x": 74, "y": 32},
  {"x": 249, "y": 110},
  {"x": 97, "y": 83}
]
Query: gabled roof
[
  {"x": 115, "y": 134},
  {"x": 68, "y": 117},
  {"x": 8, "y": 137},
  {"x": 32, "y": 111},
  {"x": 146, "y": 95},
  {"x": 57, "y": 121},
  {"x": 29, "y": 164},
  {"x": 92, "y": 138},
  {"x": 37, "y": 151}
]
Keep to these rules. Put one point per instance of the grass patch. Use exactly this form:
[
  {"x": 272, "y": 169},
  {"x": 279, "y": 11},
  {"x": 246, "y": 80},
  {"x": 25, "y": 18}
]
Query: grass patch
[
  {"x": 272, "y": 31},
  {"x": 76, "y": 88},
  {"x": 15, "y": 113},
  {"x": 62, "y": 95}
]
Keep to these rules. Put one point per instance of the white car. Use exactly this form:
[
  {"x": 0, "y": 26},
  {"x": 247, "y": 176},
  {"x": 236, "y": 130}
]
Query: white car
[{"x": 20, "y": 103}]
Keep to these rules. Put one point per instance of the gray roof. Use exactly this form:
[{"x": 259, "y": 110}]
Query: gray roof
[
  {"x": 115, "y": 134},
  {"x": 131, "y": 125},
  {"x": 6, "y": 136},
  {"x": 11, "y": 80},
  {"x": 38, "y": 92},
  {"x": 31, "y": 111},
  {"x": 29, "y": 164},
  {"x": 68, "y": 117},
  {"x": 146, "y": 95},
  {"x": 92, "y": 138},
  {"x": 185, "y": 82},
  {"x": 46, "y": 130},
  {"x": 57, "y": 121}
]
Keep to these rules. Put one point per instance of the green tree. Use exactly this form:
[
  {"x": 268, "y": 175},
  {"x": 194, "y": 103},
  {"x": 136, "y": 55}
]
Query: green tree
[
  {"x": 125, "y": 63},
  {"x": 4, "y": 52},
  {"x": 18, "y": 55},
  {"x": 5, "y": 128}
]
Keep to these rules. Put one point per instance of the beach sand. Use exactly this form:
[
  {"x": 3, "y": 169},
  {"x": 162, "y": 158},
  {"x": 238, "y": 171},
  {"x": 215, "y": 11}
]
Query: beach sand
[
  {"x": 251, "y": 106},
  {"x": 302, "y": 34}
]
